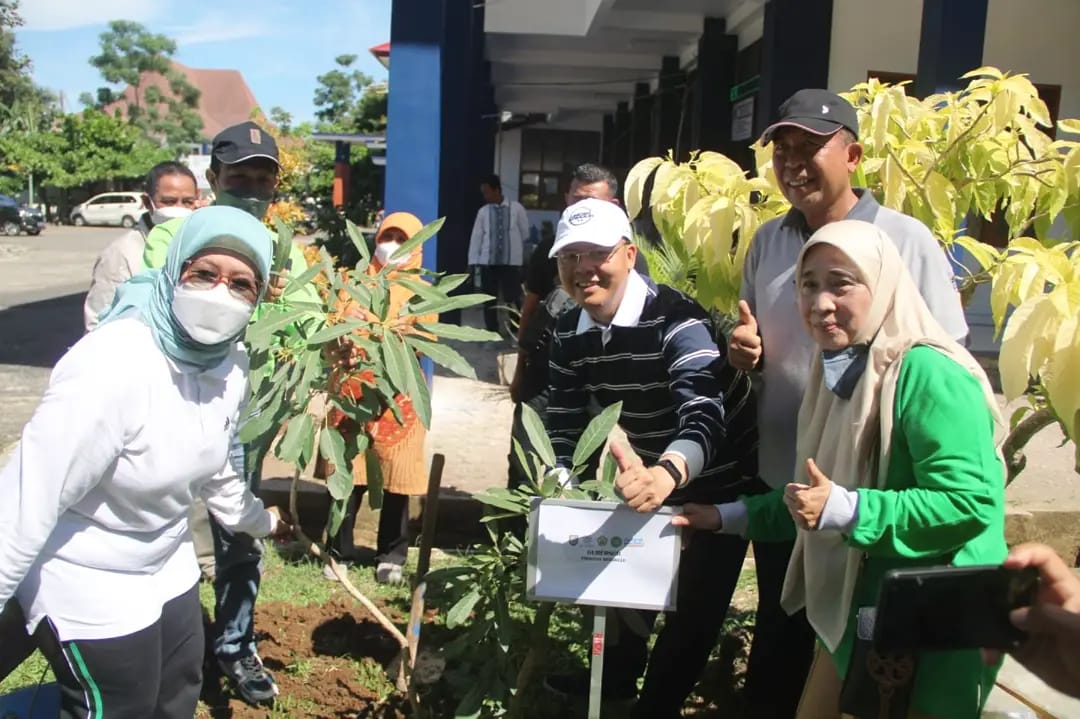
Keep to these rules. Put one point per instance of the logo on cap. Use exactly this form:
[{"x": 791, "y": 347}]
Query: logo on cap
[
  {"x": 824, "y": 109},
  {"x": 256, "y": 137},
  {"x": 580, "y": 217}
]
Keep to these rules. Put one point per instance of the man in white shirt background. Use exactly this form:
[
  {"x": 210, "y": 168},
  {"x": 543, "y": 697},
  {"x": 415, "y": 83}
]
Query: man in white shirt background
[
  {"x": 171, "y": 191},
  {"x": 496, "y": 249}
]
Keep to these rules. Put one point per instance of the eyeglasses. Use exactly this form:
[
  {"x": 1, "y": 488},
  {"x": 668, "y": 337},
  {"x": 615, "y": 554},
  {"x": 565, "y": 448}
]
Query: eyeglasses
[
  {"x": 204, "y": 278},
  {"x": 597, "y": 257}
]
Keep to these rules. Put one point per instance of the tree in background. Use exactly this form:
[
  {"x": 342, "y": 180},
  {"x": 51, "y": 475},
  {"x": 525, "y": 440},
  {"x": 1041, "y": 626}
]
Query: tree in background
[
  {"x": 26, "y": 111},
  {"x": 349, "y": 102},
  {"x": 128, "y": 52}
]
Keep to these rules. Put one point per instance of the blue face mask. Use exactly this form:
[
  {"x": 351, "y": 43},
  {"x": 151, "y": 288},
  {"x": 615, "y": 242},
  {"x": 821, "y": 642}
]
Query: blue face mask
[{"x": 843, "y": 369}]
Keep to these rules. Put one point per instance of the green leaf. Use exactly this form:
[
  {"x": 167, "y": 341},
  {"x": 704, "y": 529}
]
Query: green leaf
[
  {"x": 340, "y": 483},
  {"x": 337, "y": 516},
  {"x": 449, "y": 283},
  {"x": 503, "y": 500},
  {"x": 260, "y": 331},
  {"x": 332, "y": 446},
  {"x": 421, "y": 289},
  {"x": 459, "y": 613},
  {"x": 503, "y": 623},
  {"x": 358, "y": 240},
  {"x": 301, "y": 281},
  {"x": 299, "y": 435},
  {"x": 396, "y": 361},
  {"x": 418, "y": 390},
  {"x": 596, "y": 433},
  {"x": 359, "y": 293},
  {"x": 538, "y": 438},
  {"x": 610, "y": 470},
  {"x": 374, "y": 480},
  {"x": 282, "y": 246},
  {"x": 519, "y": 452},
  {"x": 443, "y": 355},
  {"x": 332, "y": 332},
  {"x": 427, "y": 232},
  {"x": 313, "y": 368},
  {"x": 457, "y": 302},
  {"x": 457, "y": 332}
]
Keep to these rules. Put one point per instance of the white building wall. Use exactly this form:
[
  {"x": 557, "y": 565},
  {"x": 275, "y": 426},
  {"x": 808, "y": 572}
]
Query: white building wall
[
  {"x": 880, "y": 35},
  {"x": 1037, "y": 37}
]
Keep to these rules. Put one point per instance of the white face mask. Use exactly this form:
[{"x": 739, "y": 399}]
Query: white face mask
[
  {"x": 161, "y": 215},
  {"x": 211, "y": 316},
  {"x": 384, "y": 250}
]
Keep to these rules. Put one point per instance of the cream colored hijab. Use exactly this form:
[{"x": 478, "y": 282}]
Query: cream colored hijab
[{"x": 850, "y": 440}]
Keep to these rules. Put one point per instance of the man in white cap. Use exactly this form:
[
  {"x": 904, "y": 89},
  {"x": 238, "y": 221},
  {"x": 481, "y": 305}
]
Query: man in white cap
[{"x": 689, "y": 420}]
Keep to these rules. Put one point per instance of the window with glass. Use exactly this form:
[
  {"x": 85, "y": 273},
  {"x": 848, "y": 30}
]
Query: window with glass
[{"x": 548, "y": 158}]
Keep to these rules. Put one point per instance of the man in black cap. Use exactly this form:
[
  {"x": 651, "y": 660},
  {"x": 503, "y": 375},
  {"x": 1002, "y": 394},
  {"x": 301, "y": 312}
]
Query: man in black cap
[
  {"x": 243, "y": 174},
  {"x": 815, "y": 150}
]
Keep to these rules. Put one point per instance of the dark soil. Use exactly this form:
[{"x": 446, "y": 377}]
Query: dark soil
[{"x": 312, "y": 652}]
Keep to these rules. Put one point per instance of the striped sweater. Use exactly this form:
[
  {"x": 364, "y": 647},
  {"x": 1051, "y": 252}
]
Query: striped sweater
[{"x": 674, "y": 385}]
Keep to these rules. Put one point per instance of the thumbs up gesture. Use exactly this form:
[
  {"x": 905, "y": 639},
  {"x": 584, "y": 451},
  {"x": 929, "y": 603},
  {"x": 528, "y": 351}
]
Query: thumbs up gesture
[
  {"x": 806, "y": 502},
  {"x": 643, "y": 488},
  {"x": 744, "y": 350}
]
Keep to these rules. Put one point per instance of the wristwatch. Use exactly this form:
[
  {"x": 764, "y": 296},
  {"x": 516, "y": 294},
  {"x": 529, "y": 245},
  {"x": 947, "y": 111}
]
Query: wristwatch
[{"x": 668, "y": 466}]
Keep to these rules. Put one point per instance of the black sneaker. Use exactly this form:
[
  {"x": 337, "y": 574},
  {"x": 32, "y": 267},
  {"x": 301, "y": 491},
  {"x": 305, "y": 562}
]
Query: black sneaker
[
  {"x": 576, "y": 686},
  {"x": 254, "y": 684}
]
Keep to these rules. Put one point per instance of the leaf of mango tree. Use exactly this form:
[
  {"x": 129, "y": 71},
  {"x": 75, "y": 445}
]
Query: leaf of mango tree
[
  {"x": 282, "y": 246},
  {"x": 459, "y": 613},
  {"x": 426, "y": 233},
  {"x": 340, "y": 483},
  {"x": 449, "y": 283},
  {"x": 421, "y": 289},
  {"x": 332, "y": 332},
  {"x": 358, "y": 240},
  {"x": 442, "y": 355},
  {"x": 374, "y": 480},
  {"x": 596, "y": 433},
  {"x": 457, "y": 302},
  {"x": 300, "y": 434},
  {"x": 395, "y": 358},
  {"x": 299, "y": 282},
  {"x": 538, "y": 437},
  {"x": 337, "y": 516},
  {"x": 417, "y": 389},
  {"x": 260, "y": 331},
  {"x": 457, "y": 332}
]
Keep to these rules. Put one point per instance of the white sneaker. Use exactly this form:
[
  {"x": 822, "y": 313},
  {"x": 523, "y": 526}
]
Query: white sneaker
[
  {"x": 388, "y": 573},
  {"x": 328, "y": 573}
]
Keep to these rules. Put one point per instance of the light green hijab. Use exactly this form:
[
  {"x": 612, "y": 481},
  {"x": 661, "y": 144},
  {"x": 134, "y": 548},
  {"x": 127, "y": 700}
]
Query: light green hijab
[{"x": 149, "y": 295}]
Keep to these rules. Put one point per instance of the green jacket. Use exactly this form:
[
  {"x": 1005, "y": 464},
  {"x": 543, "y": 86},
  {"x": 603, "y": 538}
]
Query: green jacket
[{"x": 943, "y": 503}]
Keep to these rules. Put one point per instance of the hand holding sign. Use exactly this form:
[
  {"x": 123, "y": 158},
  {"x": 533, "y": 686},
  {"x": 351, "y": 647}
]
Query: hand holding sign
[
  {"x": 806, "y": 502},
  {"x": 744, "y": 350},
  {"x": 644, "y": 489}
]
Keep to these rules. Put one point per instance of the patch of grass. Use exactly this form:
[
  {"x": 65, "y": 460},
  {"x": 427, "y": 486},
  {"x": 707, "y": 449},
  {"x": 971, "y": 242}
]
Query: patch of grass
[
  {"x": 373, "y": 676},
  {"x": 30, "y": 673},
  {"x": 291, "y": 707}
]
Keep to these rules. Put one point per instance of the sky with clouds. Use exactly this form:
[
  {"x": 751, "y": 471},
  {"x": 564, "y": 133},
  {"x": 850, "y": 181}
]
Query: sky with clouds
[{"x": 280, "y": 46}]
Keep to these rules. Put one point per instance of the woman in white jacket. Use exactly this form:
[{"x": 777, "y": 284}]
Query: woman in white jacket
[{"x": 140, "y": 417}]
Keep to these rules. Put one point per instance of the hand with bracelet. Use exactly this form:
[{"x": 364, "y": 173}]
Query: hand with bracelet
[{"x": 646, "y": 488}]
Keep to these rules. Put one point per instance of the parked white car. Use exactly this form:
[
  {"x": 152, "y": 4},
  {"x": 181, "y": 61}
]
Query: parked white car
[{"x": 110, "y": 208}]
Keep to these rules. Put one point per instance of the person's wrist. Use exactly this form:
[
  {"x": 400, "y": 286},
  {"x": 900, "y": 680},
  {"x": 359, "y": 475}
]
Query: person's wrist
[{"x": 677, "y": 469}]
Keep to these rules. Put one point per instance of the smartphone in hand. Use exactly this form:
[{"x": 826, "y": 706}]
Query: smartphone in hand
[{"x": 950, "y": 608}]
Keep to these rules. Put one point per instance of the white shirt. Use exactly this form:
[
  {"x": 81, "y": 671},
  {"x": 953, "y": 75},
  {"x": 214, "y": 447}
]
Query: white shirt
[
  {"x": 93, "y": 522},
  {"x": 482, "y": 250},
  {"x": 118, "y": 262}
]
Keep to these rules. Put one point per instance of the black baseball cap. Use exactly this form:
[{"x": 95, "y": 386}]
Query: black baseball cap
[
  {"x": 818, "y": 111},
  {"x": 245, "y": 141}
]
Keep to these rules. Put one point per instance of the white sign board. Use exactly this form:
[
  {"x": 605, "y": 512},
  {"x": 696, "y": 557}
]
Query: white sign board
[
  {"x": 602, "y": 554},
  {"x": 742, "y": 119}
]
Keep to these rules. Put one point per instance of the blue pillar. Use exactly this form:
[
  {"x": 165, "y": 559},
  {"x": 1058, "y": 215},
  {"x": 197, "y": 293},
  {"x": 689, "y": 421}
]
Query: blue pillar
[
  {"x": 457, "y": 71},
  {"x": 794, "y": 53},
  {"x": 950, "y": 44},
  {"x": 667, "y": 106},
  {"x": 414, "y": 116}
]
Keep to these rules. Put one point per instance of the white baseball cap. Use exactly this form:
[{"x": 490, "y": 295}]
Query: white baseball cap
[{"x": 592, "y": 222}]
